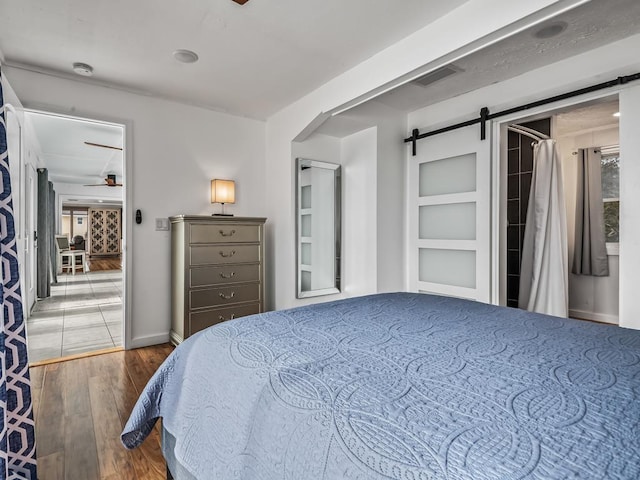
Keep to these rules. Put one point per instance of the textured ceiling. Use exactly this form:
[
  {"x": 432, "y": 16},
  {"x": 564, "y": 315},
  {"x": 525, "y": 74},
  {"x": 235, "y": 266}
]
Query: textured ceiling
[
  {"x": 587, "y": 117},
  {"x": 591, "y": 25},
  {"x": 254, "y": 59},
  {"x": 68, "y": 158}
]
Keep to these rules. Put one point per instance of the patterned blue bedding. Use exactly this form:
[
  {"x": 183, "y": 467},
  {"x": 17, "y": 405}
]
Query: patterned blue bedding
[{"x": 402, "y": 386}]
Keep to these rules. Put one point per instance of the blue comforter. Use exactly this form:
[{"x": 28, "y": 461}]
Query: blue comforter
[{"x": 402, "y": 386}]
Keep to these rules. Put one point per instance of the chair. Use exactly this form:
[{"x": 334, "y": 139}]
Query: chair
[
  {"x": 65, "y": 253},
  {"x": 78, "y": 242}
]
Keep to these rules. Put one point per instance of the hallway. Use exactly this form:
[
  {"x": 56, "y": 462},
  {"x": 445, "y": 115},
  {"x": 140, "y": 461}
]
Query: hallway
[{"x": 83, "y": 314}]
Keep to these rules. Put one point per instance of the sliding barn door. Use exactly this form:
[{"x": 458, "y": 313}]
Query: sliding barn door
[{"x": 449, "y": 215}]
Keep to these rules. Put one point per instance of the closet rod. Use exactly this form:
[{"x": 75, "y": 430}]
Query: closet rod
[{"x": 485, "y": 115}]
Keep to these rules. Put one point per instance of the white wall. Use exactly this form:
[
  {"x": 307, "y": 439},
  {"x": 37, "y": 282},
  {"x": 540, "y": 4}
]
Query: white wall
[
  {"x": 174, "y": 151},
  {"x": 475, "y": 24},
  {"x": 629, "y": 211},
  {"x": 390, "y": 167},
  {"x": 371, "y": 156},
  {"x": 593, "y": 298},
  {"x": 360, "y": 241}
]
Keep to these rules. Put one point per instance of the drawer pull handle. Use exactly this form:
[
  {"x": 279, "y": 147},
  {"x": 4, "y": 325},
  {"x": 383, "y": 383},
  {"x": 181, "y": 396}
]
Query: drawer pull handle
[
  {"x": 230, "y": 234},
  {"x": 222, "y": 319},
  {"x": 227, "y": 297},
  {"x": 227, "y": 255},
  {"x": 229, "y": 275}
]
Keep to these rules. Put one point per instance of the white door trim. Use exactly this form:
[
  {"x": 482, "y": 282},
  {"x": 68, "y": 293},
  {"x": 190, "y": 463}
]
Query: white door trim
[
  {"x": 127, "y": 202},
  {"x": 499, "y": 179}
]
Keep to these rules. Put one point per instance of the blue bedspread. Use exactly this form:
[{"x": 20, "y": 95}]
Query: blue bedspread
[{"x": 402, "y": 386}]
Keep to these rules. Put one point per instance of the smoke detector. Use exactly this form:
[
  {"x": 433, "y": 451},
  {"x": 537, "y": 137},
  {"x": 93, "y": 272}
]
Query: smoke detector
[
  {"x": 551, "y": 30},
  {"x": 185, "y": 56},
  {"x": 83, "y": 69}
]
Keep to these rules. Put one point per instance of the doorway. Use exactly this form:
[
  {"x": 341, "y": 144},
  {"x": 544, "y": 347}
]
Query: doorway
[
  {"x": 591, "y": 125},
  {"x": 79, "y": 251}
]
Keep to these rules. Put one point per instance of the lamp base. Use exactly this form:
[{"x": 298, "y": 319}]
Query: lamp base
[{"x": 222, "y": 214}]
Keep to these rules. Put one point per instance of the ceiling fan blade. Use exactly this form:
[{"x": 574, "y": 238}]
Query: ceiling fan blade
[
  {"x": 240, "y": 2},
  {"x": 106, "y": 146},
  {"x": 109, "y": 181}
]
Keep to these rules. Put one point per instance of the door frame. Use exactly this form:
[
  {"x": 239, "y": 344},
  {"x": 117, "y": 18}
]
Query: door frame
[
  {"x": 499, "y": 182},
  {"x": 17, "y": 164},
  {"x": 30, "y": 227},
  {"x": 127, "y": 200}
]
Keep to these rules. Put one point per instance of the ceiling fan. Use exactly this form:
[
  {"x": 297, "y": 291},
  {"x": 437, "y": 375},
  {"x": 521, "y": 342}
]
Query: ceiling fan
[
  {"x": 240, "y": 2},
  {"x": 110, "y": 181}
]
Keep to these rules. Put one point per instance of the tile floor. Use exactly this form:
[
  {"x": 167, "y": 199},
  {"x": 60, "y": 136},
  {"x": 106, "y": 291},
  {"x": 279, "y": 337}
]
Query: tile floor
[{"x": 83, "y": 314}]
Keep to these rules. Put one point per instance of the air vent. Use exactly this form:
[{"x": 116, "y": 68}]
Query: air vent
[{"x": 437, "y": 75}]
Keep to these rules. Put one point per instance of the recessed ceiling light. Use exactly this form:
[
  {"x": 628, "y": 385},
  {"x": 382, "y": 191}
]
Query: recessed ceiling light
[
  {"x": 617, "y": 114},
  {"x": 551, "y": 30},
  {"x": 185, "y": 56},
  {"x": 83, "y": 69}
]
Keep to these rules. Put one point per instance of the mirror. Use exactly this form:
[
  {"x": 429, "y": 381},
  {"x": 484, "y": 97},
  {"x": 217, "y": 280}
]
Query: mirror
[{"x": 317, "y": 227}]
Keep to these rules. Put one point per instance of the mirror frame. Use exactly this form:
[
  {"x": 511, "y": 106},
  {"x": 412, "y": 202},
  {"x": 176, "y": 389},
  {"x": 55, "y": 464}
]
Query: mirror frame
[{"x": 305, "y": 162}]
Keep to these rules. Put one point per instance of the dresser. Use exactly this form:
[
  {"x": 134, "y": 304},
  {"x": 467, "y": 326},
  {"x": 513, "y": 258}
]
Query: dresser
[{"x": 217, "y": 271}]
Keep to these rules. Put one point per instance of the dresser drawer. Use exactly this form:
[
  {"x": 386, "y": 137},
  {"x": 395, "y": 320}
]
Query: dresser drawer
[
  {"x": 223, "y": 254},
  {"x": 215, "y": 275},
  {"x": 224, "y": 233},
  {"x": 201, "y": 320},
  {"x": 213, "y": 297}
]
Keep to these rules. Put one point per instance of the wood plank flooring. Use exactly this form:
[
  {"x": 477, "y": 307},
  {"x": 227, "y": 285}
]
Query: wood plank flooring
[
  {"x": 80, "y": 408},
  {"x": 104, "y": 263}
]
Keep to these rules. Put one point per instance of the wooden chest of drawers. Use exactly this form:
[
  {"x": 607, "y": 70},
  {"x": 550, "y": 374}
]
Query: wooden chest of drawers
[{"x": 217, "y": 271}]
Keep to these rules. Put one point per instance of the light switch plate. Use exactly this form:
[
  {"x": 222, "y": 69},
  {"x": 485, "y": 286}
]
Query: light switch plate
[{"x": 162, "y": 224}]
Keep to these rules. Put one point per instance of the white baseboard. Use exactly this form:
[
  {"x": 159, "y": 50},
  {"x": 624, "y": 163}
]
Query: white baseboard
[
  {"x": 149, "y": 340},
  {"x": 596, "y": 317}
]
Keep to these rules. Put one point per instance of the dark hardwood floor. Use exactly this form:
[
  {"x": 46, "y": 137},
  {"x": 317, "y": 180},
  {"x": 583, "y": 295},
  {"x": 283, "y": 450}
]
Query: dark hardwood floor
[
  {"x": 80, "y": 408},
  {"x": 104, "y": 263}
]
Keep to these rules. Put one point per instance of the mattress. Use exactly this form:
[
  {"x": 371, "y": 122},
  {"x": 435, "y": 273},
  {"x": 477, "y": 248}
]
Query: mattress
[{"x": 401, "y": 386}]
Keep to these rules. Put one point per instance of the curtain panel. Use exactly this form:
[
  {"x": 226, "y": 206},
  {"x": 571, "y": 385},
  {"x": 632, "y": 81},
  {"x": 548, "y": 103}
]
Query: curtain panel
[
  {"x": 590, "y": 250},
  {"x": 544, "y": 277}
]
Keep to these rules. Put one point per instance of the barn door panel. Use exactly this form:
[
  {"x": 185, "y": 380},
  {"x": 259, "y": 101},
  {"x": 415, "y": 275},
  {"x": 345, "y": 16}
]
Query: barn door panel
[{"x": 449, "y": 215}]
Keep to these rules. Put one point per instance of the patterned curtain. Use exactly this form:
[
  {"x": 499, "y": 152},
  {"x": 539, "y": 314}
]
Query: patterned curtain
[{"x": 17, "y": 429}]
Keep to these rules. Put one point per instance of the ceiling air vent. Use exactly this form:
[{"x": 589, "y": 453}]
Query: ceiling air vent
[{"x": 437, "y": 75}]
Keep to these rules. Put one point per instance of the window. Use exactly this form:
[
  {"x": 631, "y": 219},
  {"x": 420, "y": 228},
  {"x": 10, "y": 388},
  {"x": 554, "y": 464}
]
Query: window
[
  {"x": 74, "y": 221},
  {"x": 610, "y": 165}
]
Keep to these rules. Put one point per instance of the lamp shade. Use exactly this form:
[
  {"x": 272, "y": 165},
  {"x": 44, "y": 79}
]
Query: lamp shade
[{"x": 223, "y": 191}]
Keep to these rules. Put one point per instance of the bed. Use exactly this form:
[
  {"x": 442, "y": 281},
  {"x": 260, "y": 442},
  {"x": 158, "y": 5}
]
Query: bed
[{"x": 398, "y": 386}]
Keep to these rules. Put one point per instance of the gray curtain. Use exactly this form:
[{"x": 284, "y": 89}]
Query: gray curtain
[
  {"x": 590, "y": 251},
  {"x": 44, "y": 236},
  {"x": 53, "y": 253}
]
